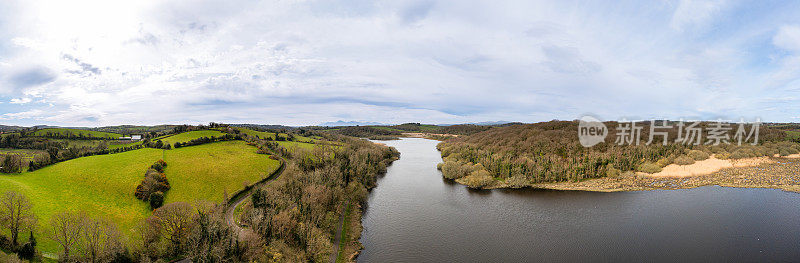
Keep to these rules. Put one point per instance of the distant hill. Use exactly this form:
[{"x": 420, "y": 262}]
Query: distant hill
[
  {"x": 349, "y": 123},
  {"x": 483, "y": 123}
]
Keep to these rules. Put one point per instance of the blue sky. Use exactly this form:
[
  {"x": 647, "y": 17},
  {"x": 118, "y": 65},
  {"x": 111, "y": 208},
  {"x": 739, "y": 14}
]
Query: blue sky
[{"x": 95, "y": 63}]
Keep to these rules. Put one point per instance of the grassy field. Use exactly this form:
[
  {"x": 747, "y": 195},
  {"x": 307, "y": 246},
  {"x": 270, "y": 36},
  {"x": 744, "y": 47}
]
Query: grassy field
[
  {"x": 103, "y": 185},
  {"x": 63, "y": 131},
  {"x": 292, "y": 145},
  {"x": 188, "y": 136},
  {"x": 271, "y": 135}
]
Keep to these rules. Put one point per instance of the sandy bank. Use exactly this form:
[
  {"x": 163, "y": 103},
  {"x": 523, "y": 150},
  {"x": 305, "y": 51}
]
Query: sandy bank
[{"x": 712, "y": 165}]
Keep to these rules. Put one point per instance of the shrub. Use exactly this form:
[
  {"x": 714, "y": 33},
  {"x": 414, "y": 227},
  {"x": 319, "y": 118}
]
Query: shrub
[
  {"x": 454, "y": 170},
  {"x": 684, "y": 160},
  {"x": 723, "y": 155},
  {"x": 12, "y": 163},
  {"x": 663, "y": 162},
  {"x": 739, "y": 154},
  {"x": 612, "y": 172},
  {"x": 158, "y": 167},
  {"x": 518, "y": 181},
  {"x": 698, "y": 155},
  {"x": 439, "y": 166},
  {"x": 156, "y": 200},
  {"x": 477, "y": 179},
  {"x": 649, "y": 167}
]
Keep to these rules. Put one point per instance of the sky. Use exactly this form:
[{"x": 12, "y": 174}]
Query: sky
[{"x": 98, "y": 63}]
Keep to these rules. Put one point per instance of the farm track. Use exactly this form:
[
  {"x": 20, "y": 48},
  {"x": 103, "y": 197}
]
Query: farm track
[{"x": 241, "y": 196}]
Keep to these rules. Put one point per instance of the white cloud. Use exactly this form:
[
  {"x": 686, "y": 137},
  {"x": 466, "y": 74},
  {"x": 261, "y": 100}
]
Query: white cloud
[
  {"x": 103, "y": 63},
  {"x": 695, "y": 13},
  {"x": 20, "y": 101},
  {"x": 788, "y": 38}
]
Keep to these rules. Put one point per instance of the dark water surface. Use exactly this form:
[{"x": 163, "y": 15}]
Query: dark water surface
[{"x": 414, "y": 215}]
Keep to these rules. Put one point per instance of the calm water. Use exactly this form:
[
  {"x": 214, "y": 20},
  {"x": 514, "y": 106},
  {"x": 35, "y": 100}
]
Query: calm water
[{"x": 416, "y": 216}]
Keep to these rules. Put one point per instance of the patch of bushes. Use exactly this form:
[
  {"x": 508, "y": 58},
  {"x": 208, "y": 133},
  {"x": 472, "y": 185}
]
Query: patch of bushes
[
  {"x": 649, "y": 167},
  {"x": 684, "y": 160},
  {"x": 154, "y": 185},
  {"x": 477, "y": 179},
  {"x": 698, "y": 155},
  {"x": 517, "y": 181},
  {"x": 454, "y": 170}
]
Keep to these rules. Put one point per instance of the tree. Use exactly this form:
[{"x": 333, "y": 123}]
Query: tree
[
  {"x": 100, "y": 240},
  {"x": 66, "y": 231},
  {"x": 12, "y": 163},
  {"x": 176, "y": 223},
  {"x": 16, "y": 214},
  {"x": 29, "y": 249},
  {"x": 156, "y": 200}
]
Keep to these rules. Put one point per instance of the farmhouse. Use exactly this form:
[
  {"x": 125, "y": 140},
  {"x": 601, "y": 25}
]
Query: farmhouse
[{"x": 132, "y": 137}]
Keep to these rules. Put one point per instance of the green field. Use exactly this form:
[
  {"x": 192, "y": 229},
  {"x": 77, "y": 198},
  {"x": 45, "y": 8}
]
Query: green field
[
  {"x": 271, "y": 135},
  {"x": 103, "y": 185},
  {"x": 63, "y": 131},
  {"x": 188, "y": 136},
  {"x": 293, "y": 145}
]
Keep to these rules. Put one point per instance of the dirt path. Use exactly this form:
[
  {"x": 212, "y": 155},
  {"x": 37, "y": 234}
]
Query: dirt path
[
  {"x": 240, "y": 197},
  {"x": 338, "y": 238}
]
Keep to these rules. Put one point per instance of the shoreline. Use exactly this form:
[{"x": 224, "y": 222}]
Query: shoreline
[{"x": 760, "y": 172}]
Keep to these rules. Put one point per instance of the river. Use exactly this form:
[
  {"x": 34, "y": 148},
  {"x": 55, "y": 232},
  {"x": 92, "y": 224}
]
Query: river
[{"x": 414, "y": 215}]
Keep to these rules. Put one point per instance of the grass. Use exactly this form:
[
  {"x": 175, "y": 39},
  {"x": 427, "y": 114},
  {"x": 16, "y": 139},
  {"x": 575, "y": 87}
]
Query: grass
[
  {"x": 344, "y": 239},
  {"x": 188, "y": 136},
  {"x": 103, "y": 185},
  {"x": 271, "y": 135},
  {"x": 63, "y": 131},
  {"x": 292, "y": 145},
  {"x": 26, "y": 154}
]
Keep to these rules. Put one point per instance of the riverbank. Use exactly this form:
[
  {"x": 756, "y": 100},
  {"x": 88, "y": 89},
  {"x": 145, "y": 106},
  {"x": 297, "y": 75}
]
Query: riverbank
[{"x": 764, "y": 172}]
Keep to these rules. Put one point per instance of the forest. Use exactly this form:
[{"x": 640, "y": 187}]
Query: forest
[{"x": 524, "y": 154}]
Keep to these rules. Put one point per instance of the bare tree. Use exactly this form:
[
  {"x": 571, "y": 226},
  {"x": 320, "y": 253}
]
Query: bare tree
[
  {"x": 67, "y": 229},
  {"x": 100, "y": 240},
  {"x": 176, "y": 222},
  {"x": 16, "y": 214}
]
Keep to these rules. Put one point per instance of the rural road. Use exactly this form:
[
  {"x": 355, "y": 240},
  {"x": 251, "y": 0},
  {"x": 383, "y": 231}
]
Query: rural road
[{"x": 240, "y": 197}]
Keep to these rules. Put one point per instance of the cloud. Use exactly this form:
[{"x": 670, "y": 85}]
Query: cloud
[
  {"x": 788, "y": 38},
  {"x": 31, "y": 77},
  {"x": 306, "y": 62},
  {"x": 695, "y": 13},
  {"x": 85, "y": 68},
  {"x": 20, "y": 101}
]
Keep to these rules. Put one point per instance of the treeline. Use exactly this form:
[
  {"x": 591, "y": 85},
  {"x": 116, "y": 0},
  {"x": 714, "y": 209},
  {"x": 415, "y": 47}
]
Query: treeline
[
  {"x": 372, "y": 133},
  {"x": 459, "y": 129},
  {"x": 14, "y": 163},
  {"x": 204, "y": 140},
  {"x": 154, "y": 185},
  {"x": 297, "y": 214},
  {"x": 68, "y": 135},
  {"x": 520, "y": 155}
]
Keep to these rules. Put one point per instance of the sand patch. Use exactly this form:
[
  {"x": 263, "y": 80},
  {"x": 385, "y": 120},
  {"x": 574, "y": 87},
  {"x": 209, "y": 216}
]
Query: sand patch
[{"x": 708, "y": 166}]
